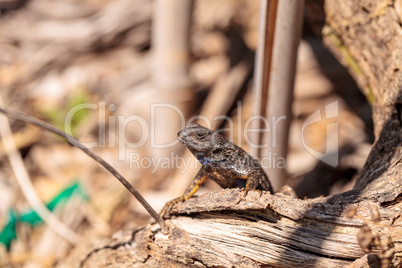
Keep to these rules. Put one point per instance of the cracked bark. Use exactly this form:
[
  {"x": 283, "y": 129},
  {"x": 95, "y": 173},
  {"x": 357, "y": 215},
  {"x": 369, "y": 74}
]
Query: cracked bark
[{"x": 359, "y": 228}]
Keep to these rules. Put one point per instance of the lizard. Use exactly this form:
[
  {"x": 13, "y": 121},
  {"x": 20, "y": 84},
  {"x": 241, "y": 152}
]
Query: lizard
[{"x": 222, "y": 161}]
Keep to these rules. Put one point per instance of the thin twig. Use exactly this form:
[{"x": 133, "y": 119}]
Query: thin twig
[
  {"x": 71, "y": 140},
  {"x": 279, "y": 35},
  {"x": 288, "y": 29},
  {"x": 26, "y": 186},
  {"x": 262, "y": 67}
]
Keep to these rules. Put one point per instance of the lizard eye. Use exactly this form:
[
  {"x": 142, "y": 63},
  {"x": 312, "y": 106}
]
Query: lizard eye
[{"x": 200, "y": 135}]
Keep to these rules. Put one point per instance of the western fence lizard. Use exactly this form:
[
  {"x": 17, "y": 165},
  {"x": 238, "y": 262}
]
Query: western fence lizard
[{"x": 222, "y": 161}]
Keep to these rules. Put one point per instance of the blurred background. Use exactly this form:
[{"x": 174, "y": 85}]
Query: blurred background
[{"x": 129, "y": 74}]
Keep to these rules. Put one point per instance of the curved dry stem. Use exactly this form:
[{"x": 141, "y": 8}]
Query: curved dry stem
[{"x": 24, "y": 181}]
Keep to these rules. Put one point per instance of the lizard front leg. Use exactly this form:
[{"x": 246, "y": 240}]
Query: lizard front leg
[
  {"x": 199, "y": 180},
  {"x": 258, "y": 181}
]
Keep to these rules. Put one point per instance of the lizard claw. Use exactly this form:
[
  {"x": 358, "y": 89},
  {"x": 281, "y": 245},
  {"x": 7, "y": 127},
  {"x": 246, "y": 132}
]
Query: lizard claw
[{"x": 165, "y": 212}]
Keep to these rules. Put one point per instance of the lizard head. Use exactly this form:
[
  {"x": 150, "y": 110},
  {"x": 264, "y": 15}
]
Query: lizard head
[{"x": 200, "y": 139}]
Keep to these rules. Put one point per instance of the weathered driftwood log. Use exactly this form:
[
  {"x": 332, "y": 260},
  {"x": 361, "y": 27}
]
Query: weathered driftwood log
[{"x": 359, "y": 228}]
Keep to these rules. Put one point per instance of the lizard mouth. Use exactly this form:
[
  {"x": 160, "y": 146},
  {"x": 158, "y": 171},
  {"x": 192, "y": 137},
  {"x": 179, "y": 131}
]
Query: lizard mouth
[
  {"x": 182, "y": 141},
  {"x": 178, "y": 136}
]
